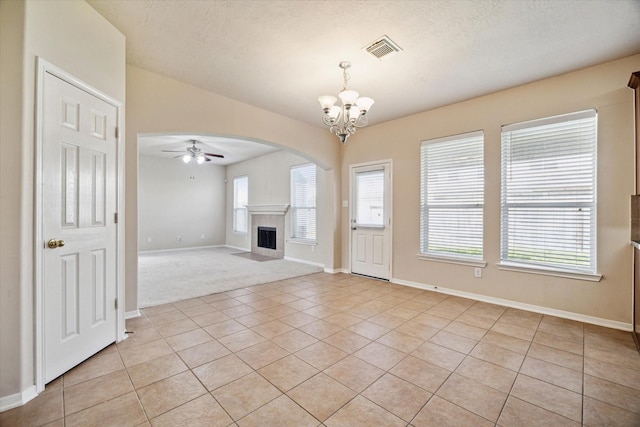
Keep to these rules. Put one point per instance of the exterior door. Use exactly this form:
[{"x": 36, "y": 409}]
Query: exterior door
[
  {"x": 79, "y": 196},
  {"x": 371, "y": 220}
]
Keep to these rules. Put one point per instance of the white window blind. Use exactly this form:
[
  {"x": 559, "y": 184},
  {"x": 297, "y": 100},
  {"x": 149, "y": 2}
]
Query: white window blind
[
  {"x": 452, "y": 196},
  {"x": 303, "y": 202},
  {"x": 240, "y": 202},
  {"x": 548, "y": 215},
  {"x": 369, "y": 209}
]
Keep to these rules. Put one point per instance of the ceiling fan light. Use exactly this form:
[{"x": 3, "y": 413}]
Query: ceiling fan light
[
  {"x": 200, "y": 159},
  {"x": 186, "y": 158}
]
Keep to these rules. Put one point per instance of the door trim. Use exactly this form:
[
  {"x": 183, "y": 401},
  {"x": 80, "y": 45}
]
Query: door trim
[
  {"x": 44, "y": 67},
  {"x": 389, "y": 164}
]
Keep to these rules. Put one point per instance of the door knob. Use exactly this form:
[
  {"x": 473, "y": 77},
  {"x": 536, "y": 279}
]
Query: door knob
[{"x": 53, "y": 243}]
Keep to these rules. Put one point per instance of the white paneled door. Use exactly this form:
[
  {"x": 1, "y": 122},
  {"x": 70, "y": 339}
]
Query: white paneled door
[
  {"x": 78, "y": 206},
  {"x": 371, "y": 220}
]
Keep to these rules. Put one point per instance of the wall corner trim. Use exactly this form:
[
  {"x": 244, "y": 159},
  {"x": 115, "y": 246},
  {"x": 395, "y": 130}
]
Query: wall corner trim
[
  {"x": 623, "y": 326},
  {"x": 17, "y": 399}
]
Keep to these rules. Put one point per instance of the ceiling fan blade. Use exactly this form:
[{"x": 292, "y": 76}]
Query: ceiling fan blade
[
  {"x": 177, "y": 157},
  {"x": 172, "y": 151},
  {"x": 214, "y": 155}
]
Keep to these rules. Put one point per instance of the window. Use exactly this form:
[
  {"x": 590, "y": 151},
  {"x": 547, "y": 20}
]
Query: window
[
  {"x": 452, "y": 196},
  {"x": 303, "y": 202},
  {"x": 240, "y": 202},
  {"x": 369, "y": 206},
  {"x": 549, "y": 193}
]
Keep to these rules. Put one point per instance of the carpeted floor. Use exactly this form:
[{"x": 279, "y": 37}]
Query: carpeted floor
[{"x": 176, "y": 275}]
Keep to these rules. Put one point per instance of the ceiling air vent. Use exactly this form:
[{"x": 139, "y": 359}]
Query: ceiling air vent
[{"x": 383, "y": 48}]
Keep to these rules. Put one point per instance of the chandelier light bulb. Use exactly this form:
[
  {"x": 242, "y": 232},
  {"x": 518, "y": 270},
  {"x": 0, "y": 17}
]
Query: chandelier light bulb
[
  {"x": 334, "y": 112},
  {"x": 364, "y": 103},
  {"x": 186, "y": 158},
  {"x": 327, "y": 101}
]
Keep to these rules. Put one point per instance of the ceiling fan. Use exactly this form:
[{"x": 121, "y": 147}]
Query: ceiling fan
[{"x": 194, "y": 153}]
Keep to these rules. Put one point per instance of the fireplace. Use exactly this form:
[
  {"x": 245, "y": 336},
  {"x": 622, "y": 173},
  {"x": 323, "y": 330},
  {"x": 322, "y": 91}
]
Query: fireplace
[
  {"x": 267, "y": 229},
  {"x": 267, "y": 237}
]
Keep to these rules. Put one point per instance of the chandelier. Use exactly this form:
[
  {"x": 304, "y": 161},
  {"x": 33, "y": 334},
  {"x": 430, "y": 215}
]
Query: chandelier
[{"x": 352, "y": 114}]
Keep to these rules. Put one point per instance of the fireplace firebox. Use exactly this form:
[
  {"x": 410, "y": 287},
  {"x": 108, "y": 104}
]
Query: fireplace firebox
[{"x": 267, "y": 237}]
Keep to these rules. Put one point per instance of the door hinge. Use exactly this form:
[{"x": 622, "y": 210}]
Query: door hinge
[
  {"x": 116, "y": 303},
  {"x": 117, "y": 132},
  {"x": 115, "y": 217}
]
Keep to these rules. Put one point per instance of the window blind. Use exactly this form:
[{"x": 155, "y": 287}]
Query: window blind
[
  {"x": 240, "y": 202},
  {"x": 369, "y": 210},
  {"x": 548, "y": 197},
  {"x": 452, "y": 196},
  {"x": 303, "y": 202}
]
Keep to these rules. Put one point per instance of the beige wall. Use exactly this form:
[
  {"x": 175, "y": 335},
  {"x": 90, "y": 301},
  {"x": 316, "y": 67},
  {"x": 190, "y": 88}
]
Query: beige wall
[
  {"x": 602, "y": 87},
  {"x": 270, "y": 183},
  {"x": 178, "y": 199},
  {"x": 73, "y": 36},
  {"x": 156, "y": 104},
  {"x": 12, "y": 295}
]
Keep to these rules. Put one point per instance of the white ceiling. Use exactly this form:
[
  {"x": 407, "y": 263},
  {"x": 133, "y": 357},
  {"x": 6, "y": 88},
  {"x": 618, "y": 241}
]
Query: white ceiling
[{"x": 281, "y": 55}]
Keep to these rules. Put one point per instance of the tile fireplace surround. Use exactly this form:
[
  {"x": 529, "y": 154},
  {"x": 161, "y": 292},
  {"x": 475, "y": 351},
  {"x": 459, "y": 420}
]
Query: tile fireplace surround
[{"x": 268, "y": 216}]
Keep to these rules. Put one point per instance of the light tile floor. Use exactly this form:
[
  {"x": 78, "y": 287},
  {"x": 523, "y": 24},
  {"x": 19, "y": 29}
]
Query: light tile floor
[{"x": 341, "y": 350}]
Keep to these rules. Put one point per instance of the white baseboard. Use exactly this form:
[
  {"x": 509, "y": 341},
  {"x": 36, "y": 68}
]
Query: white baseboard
[
  {"x": 181, "y": 249},
  {"x": 336, "y": 270},
  {"x": 520, "y": 305},
  {"x": 302, "y": 261},
  {"x": 18, "y": 399},
  {"x": 132, "y": 314}
]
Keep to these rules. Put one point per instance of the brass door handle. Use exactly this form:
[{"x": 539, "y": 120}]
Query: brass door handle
[{"x": 53, "y": 243}]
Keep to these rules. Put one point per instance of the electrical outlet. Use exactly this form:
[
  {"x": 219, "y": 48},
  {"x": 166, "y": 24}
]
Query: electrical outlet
[
  {"x": 179, "y": 239},
  {"x": 148, "y": 239},
  {"x": 202, "y": 237},
  {"x": 477, "y": 272}
]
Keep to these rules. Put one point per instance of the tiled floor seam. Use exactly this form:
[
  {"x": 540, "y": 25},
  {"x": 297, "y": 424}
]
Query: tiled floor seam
[{"x": 144, "y": 411}]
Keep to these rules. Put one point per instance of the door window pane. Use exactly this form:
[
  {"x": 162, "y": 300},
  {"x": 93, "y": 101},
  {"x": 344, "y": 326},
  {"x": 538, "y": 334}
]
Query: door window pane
[{"x": 370, "y": 198}]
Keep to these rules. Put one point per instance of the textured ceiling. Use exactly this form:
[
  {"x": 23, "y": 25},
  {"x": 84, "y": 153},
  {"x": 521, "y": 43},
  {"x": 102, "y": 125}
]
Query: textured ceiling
[{"x": 280, "y": 55}]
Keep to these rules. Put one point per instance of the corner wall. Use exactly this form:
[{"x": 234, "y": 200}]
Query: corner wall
[
  {"x": 73, "y": 36},
  {"x": 602, "y": 87}
]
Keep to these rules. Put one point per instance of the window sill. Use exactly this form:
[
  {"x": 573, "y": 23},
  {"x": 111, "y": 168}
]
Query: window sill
[
  {"x": 240, "y": 233},
  {"x": 303, "y": 242},
  {"x": 547, "y": 271},
  {"x": 453, "y": 260}
]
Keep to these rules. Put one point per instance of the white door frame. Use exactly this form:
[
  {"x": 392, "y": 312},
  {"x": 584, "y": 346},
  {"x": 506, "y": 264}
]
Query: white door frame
[
  {"x": 39, "y": 346},
  {"x": 389, "y": 164}
]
